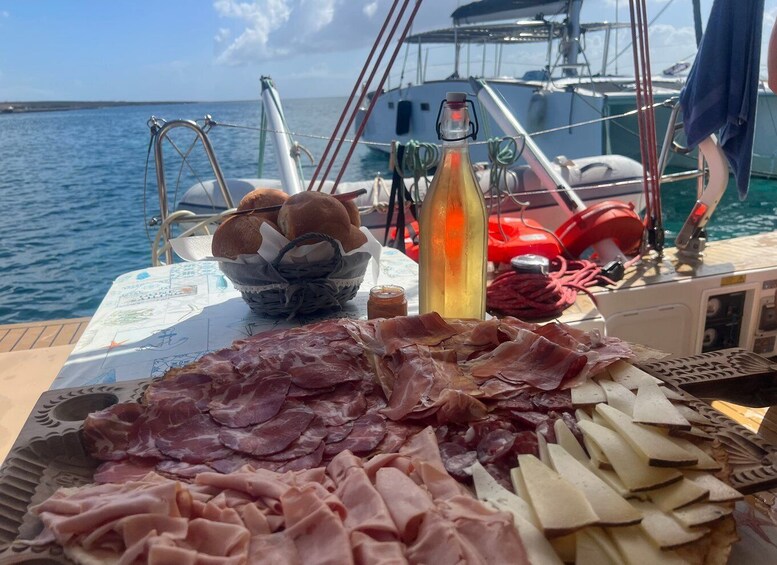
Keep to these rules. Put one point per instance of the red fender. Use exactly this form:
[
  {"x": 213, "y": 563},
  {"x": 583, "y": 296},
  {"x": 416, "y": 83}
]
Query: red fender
[
  {"x": 519, "y": 237},
  {"x": 610, "y": 219}
]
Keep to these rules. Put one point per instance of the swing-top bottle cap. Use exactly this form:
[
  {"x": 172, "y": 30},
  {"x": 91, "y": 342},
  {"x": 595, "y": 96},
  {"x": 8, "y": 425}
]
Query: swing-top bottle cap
[{"x": 456, "y": 97}]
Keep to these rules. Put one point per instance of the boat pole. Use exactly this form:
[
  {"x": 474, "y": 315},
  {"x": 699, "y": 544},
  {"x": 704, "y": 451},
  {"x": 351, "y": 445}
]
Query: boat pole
[
  {"x": 288, "y": 165},
  {"x": 550, "y": 179}
]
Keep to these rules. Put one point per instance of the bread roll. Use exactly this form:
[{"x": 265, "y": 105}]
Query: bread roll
[
  {"x": 262, "y": 197},
  {"x": 355, "y": 239},
  {"x": 314, "y": 212},
  {"x": 238, "y": 235},
  {"x": 353, "y": 213}
]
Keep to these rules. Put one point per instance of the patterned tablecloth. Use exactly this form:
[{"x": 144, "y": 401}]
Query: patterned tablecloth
[{"x": 162, "y": 317}]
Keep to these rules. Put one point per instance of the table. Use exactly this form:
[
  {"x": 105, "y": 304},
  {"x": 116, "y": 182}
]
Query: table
[{"x": 154, "y": 319}]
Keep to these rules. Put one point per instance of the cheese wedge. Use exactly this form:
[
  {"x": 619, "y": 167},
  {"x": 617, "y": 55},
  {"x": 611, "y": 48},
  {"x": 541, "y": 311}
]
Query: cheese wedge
[
  {"x": 587, "y": 394},
  {"x": 692, "y": 415},
  {"x": 560, "y": 506},
  {"x": 663, "y": 529},
  {"x": 706, "y": 461},
  {"x": 520, "y": 489},
  {"x": 566, "y": 439},
  {"x": 719, "y": 491},
  {"x": 600, "y": 538},
  {"x": 619, "y": 397},
  {"x": 626, "y": 374},
  {"x": 656, "y": 448},
  {"x": 538, "y": 548},
  {"x": 679, "y": 494},
  {"x": 589, "y": 552},
  {"x": 637, "y": 549},
  {"x": 608, "y": 505},
  {"x": 701, "y": 513},
  {"x": 652, "y": 407},
  {"x": 630, "y": 467}
]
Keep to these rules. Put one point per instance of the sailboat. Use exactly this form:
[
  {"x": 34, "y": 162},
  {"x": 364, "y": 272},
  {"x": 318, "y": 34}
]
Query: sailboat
[{"x": 572, "y": 106}]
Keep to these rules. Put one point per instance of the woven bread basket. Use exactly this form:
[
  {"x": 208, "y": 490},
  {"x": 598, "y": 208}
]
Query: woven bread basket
[{"x": 277, "y": 289}]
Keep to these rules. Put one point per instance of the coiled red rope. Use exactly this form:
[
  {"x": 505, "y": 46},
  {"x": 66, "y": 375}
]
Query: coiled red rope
[{"x": 530, "y": 296}]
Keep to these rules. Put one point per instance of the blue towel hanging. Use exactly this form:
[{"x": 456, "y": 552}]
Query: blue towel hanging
[{"x": 721, "y": 93}]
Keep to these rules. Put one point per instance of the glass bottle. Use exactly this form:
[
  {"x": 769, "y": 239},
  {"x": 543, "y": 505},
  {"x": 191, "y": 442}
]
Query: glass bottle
[{"x": 453, "y": 224}]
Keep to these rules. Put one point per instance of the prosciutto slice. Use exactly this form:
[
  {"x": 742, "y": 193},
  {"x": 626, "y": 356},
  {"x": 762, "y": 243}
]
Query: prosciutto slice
[
  {"x": 399, "y": 332},
  {"x": 531, "y": 359},
  {"x": 106, "y": 433}
]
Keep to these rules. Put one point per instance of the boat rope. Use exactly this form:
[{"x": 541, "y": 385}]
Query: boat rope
[
  {"x": 388, "y": 144},
  {"x": 417, "y": 160},
  {"x": 503, "y": 152},
  {"x": 531, "y": 296}
]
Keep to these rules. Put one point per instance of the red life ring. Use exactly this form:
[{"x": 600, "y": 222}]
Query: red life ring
[{"x": 610, "y": 219}]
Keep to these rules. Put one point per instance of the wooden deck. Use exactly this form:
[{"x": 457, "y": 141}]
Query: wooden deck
[{"x": 37, "y": 335}]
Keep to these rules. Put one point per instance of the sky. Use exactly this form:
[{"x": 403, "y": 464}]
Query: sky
[{"x": 208, "y": 50}]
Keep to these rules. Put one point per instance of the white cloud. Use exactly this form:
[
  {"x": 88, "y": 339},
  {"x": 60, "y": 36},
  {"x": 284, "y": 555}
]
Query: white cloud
[
  {"x": 370, "y": 9},
  {"x": 4, "y": 14}
]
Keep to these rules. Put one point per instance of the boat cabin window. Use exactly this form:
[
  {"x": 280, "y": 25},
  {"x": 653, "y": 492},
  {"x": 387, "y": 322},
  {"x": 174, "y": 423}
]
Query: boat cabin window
[
  {"x": 391, "y": 105},
  {"x": 424, "y": 106}
]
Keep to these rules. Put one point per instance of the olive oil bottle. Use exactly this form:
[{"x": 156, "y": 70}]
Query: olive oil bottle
[{"x": 453, "y": 224}]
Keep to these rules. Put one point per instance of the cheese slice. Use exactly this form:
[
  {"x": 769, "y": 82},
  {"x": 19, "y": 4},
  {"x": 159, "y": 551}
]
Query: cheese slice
[
  {"x": 655, "y": 448},
  {"x": 589, "y": 552},
  {"x": 488, "y": 489},
  {"x": 566, "y": 439},
  {"x": 719, "y": 491},
  {"x": 565, "y": 547},
  {"x": 542, "y": 449},
  {"x": 582, "y": 415},
  {"x": 598, "y": 457},
  {"x": 611, "y": 478},
  {"x": 619, "y": 397},
  {"x": 672, "y": 395},
  {"x": 538, "y": 548},
  {"x": 679, "y": 494},
  {"x": 630, "y": 467},
  {"x": 560, "y": 506},
  {"x": 609, "y": 506},
  {"x": 600, "y": 538},
  {"x": 626, "y": 374},
  {"x": 706, "y": 461},
  {"x": 652, "y": 407},
  {"x": 692, "y": 415},
  {"x": 516, "y": 477},
  {"x": 701, "y": 513},
  {"x": 587, "y": 393},
  {"x": 694, "y": 434},
  {"x": 637, "y": 549},
  {"x": 663, "y": 529}
]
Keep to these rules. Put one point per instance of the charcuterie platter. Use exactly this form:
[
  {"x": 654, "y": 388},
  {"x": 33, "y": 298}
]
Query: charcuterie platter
[{"x": 551, "y": 436}]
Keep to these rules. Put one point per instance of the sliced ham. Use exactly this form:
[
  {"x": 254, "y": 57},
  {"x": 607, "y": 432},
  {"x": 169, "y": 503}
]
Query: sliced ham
[
  {"x": 407, "y": 503},
  {"x": 369, "y": 551}
]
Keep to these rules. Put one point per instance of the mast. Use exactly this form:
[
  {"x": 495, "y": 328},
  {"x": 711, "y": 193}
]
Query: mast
[{"x": 573, "y": 38}]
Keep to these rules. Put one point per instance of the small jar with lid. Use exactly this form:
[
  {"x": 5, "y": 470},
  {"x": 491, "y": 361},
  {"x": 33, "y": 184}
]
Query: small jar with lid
[{"x": 386, "y": 301}]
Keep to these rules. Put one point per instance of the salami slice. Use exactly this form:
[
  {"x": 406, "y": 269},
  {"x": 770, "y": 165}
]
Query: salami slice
[{"x": 307, "y": 443}]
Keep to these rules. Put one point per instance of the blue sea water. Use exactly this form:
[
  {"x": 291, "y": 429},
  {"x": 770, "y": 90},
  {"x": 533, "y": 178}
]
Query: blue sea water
[{"x": 74, "y": 208}]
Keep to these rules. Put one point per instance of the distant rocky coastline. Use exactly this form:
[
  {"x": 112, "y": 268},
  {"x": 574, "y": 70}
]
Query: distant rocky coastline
[{"x": 57, "y": 106}]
